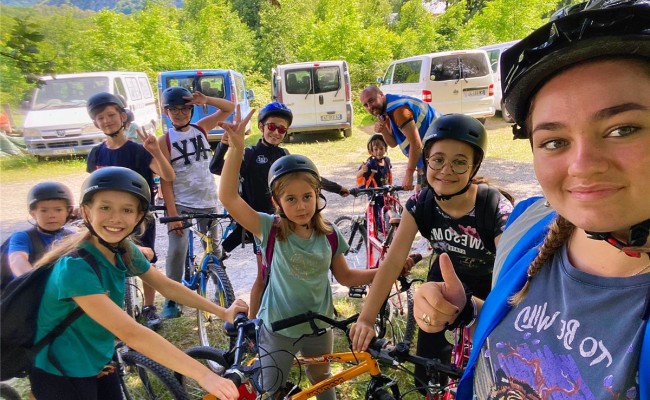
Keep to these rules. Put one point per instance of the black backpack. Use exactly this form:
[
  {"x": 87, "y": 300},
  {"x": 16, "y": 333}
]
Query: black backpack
[
  {"x": 38, "y": 249},
  {"x": 487, "y": 205},
  {"x": 19, "y": 307}
]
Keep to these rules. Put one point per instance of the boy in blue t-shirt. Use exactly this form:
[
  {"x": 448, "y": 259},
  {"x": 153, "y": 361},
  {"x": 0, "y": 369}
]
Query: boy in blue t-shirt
[
  {"x": 50, "y": 206},
  {"x": 108, "y": 114}
]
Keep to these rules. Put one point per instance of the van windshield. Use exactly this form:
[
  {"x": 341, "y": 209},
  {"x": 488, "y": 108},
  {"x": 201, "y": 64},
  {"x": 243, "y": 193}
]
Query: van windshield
[
  {"x": 68, "y": 92},
  {"x": 209, "y": 85}
]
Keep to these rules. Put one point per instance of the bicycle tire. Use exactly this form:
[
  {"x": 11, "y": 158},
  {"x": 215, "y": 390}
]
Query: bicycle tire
[
  {"x": 208, "y": 356},
  {"x": 218, "y": 289},
  {"x": 399, "y": 318},
  {"x": 144, "y": 378},
  {"x": 132, "y": 298},
  {"x": 356, "y": 238},
  {"x": 8, "y": 393}
]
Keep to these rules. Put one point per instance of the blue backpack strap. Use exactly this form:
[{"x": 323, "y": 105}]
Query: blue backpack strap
[{"x": 511, "y": 279}]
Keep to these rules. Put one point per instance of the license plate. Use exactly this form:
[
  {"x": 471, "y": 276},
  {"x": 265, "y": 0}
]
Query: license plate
[
  {"x": 331, "y": 117},
  {"x": 475, "y": 92},
  {"x": 62, "y": 151}
]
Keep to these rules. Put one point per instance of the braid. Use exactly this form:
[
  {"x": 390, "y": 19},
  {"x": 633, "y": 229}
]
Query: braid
[{"x": 559, "y": 233}]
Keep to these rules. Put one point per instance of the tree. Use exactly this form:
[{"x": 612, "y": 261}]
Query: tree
[{"x": 22, "y": 49}]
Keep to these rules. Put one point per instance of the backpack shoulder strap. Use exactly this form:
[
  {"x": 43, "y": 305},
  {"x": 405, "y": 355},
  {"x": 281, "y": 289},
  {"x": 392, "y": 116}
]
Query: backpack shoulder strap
[
  {"x": 74, "y": 314},
  {"x": 38, "y": 246},
  {"x": 169, "y": 143},
  {"x": 485, "y": 209},
  {"x": 333, "y": 238},
  {"x": 424, "y": 212}
]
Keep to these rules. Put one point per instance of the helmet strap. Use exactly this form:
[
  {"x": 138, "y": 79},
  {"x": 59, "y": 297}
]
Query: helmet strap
[
  {"x": 48, "y": 232},
  {"x": 638, "y": 236},
  {"x": 445, "y": 197},
  {"x": 267, "y": 143},
  {"x": 181, "y": 127}
]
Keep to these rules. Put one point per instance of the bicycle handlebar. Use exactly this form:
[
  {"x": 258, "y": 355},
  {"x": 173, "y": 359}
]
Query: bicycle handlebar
[
  {"x": 356, "y": 192},
  {"x": 310, "y": 316},
  {"x": 186, "y": 217}
]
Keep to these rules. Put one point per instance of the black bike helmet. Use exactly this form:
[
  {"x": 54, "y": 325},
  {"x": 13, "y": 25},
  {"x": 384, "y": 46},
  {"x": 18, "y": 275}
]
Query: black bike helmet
[
  {"x": 462, "y": 128},
  {"x": 49, "y": 191},
  {"x": 376, "y": 136},
  {"x": 291, "y": 163},
  {"x": 600, "y": 28},
  {"x": 129, "y": 115},
  {"x": 116, "y": 178},
  {"x": 275, "y": 109},
  {"x": 101, "y": 100},
  {"x": 458, "y": 127},
  {"x": 173, "y": 96}
]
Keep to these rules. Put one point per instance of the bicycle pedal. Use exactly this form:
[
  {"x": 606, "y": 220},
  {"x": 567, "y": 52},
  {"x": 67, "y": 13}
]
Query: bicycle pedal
[{"x": 358, "y": 292}]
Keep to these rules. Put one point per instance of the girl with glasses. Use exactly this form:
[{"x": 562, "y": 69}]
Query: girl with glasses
[{"x": 456, "y": 214}]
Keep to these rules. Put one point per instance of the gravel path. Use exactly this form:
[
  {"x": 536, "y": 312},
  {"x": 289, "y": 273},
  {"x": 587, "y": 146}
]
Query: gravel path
[{"x": 515, "y": 177}]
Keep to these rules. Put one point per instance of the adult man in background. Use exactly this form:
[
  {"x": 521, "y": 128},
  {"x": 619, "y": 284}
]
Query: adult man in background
[{"x": 403, "y": 121}]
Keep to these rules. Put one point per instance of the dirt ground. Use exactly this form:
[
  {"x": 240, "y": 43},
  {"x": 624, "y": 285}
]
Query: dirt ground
[{"x": 515, "y": 177}]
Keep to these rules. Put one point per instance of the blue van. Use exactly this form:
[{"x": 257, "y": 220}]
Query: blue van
[{"x": 222, "y": 83}]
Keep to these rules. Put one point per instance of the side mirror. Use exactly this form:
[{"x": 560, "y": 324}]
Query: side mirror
[
  {"x": 380, "y": 80},
  {"x": 25, "y": 105},
  {"x": 250, "y": 94}
]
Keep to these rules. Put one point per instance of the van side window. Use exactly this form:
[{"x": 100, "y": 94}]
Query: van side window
[
  {"x": 474, "y": 65},
  {"x": 239, "y": 85},
  {"x": 328, "y": 79},
  {"x": 407, "y": 72},
  {"x": 145, "y": 88},
  {"x": 388, "y": 78},
  {"x": 133, "y": 88},
  {"x": 118, "y": 87},
  {"x": 493, "y": 55},
  {"x": 445, "y": 68}
]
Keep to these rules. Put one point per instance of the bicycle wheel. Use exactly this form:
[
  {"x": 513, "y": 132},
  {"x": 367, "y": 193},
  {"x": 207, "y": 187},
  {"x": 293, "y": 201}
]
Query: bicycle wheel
[
  {"x": 143, "y": 378},
  {"x": 398, "y": 317},
  {"x": 8, "y": 393},
  {"x": 355, "y": 235},
  {"x": 218, "y": 290},
  {"x": 132, "y": 298},
  {"x": 208, "y": 356}
]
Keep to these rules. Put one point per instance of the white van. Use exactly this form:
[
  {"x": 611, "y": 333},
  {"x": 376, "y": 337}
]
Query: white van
[
  {"x": 318, "y": 93},
  {"x": 494, "y": 52},
  {"x": 57, "y": 122},
  {"x": 453, "y": 81}
]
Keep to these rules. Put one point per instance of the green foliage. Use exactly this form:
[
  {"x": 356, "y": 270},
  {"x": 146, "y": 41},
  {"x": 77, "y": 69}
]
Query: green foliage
[{"x": 250, "y": 36}]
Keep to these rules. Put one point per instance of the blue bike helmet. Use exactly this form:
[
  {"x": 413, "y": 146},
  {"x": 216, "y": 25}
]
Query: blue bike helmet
[
  {"x": 275, "y": 109},
  {"x": 101, "y": 100},
  {"x": 129, "y": 115},
  {"x": 173, "y": 96}
]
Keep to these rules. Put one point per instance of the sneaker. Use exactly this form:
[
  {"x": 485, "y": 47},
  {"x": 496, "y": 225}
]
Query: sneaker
[
  {"x": 150, "y": 317},
  {"x": 170, "y": 310}
]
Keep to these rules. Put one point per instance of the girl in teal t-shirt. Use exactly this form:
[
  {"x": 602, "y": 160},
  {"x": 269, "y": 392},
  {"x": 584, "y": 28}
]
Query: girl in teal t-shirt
[
  {"x": 301, "y": 260},
  {"x": 114, "y": 202}
]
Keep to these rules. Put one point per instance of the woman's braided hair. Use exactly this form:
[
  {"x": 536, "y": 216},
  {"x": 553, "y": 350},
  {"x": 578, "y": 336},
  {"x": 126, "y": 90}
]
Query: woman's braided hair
[{"x": 559, "y": 233}]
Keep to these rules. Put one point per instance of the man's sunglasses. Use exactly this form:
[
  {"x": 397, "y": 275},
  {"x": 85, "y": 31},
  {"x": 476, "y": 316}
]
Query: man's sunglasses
[{"x": 274, "y": 127}]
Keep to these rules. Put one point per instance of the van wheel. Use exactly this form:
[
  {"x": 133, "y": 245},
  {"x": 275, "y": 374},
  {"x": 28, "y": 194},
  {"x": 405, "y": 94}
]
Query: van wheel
[
  {"x": 482, "y": 120},
  {"x": 505, "y": 114},
  {"x": 347, "y": 132}
]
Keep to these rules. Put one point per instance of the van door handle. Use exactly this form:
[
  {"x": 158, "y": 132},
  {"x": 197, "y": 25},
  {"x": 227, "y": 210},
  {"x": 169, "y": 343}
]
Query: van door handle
[{"x": 320, "y": 99}]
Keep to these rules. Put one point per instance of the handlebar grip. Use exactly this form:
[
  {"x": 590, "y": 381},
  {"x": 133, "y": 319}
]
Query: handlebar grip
[
  {"x": 234, "y": 377},
  {"x": 416, "y": 257},
  {"x": 354, "y": 192},
  {"x": 398, "y": 188},
  {"x": 164, "y": 220},
  {"x": 289, "y": 322}
]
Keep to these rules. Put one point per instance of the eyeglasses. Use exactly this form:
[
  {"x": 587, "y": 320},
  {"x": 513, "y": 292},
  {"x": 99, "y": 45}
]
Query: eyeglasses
[
  {"x": 178, "y": 110},
  {"x": 274, "y": 127},
  {"x": 459, "y": 166}
]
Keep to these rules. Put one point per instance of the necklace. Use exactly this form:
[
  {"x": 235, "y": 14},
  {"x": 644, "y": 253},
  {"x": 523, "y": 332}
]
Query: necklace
[{"x": 641, "y": 270}]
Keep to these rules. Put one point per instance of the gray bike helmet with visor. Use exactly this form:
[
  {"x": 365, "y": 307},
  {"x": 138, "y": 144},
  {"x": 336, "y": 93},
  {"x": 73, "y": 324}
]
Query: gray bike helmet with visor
[{"x": 600, "y": 29}]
